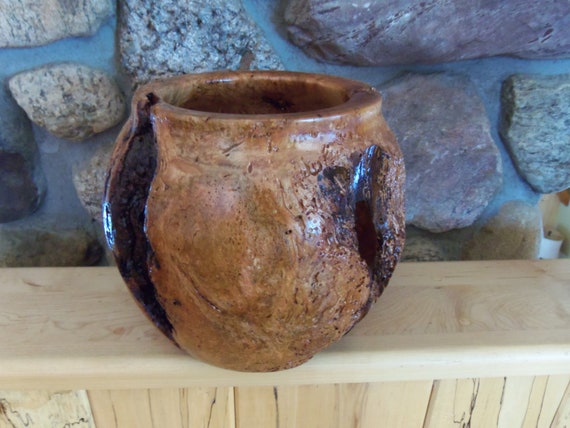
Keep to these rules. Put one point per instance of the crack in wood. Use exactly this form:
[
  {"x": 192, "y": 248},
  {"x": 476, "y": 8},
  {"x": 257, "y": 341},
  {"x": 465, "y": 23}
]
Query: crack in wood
[
  {"x": 541, "y": 400},
  {"x": 227, "y": 150},
  {"x": 563, "y": 399},
  {"x": 501, "y": 400},
  {"x": 115, "y": 419},
  {"x": 149, "y": 401},
  {"x": 431, "y": 399},
  {"x": 212, "y": 407},
  {"x": 32, "y": 284},
  {"x": 78, "y": 422},
  {"x": 276, "y": 398},
  {"x": 465, "y": 421}
]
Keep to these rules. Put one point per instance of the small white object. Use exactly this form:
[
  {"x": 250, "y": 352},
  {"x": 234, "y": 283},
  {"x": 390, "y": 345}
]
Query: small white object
[{"x": 550, "y": 244}]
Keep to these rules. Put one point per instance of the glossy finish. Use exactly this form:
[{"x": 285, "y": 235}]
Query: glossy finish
[{"x": 255, "y": 216}]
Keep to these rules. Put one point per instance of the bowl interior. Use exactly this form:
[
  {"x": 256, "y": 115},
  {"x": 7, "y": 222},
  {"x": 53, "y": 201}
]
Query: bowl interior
[{"x": 262, "y": 96}]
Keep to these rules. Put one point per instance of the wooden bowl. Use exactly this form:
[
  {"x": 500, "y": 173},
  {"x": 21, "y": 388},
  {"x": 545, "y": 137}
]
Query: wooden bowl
[{"x": 255, "y": 216}]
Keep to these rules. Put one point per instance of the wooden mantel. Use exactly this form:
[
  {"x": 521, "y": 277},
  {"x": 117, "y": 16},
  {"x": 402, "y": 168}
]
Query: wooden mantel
[
  {"x": 79, "y": 328},
  {"x": 481, "y": 344}
]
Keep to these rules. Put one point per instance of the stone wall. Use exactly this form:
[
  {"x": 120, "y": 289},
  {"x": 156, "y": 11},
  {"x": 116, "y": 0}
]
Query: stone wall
[{"x": 478, "y": 94}]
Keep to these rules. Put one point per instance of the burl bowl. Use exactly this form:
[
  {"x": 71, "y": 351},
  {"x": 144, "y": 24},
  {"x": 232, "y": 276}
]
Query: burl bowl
[{"x": 255, "y": 216}]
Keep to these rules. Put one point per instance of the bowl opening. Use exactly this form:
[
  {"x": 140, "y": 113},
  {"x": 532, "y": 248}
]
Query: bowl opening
[{"x": 261, "y": 96}]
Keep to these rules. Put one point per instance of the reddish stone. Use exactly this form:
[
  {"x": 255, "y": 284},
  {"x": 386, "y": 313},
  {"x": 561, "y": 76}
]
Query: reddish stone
[
  {"x": 453, "y": 167},
  {"x": 374, "y": 32}
]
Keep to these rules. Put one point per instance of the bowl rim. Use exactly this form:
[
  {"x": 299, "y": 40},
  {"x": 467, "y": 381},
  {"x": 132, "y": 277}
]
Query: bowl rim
[{"x": 360, "y": 95}]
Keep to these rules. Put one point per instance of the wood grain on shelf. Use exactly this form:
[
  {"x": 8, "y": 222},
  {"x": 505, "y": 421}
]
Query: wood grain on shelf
[
  {"x": 165, "y": 407},
  {"x": 502, "y": 402},
  {"x": 395, "y": 404},
  {"x": 45, "y": 409},
  {"x": 79, "y": 328}
]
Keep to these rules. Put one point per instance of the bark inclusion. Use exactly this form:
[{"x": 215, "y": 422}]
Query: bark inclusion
[{"x": 125, "y": 217}]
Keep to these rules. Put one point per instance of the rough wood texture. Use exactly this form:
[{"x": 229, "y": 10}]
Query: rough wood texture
[{"x": 79, "y": 328}]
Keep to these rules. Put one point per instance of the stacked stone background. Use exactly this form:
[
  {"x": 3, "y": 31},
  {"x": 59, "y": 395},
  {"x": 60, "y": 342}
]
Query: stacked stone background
[{"x": 478, "y": 96}]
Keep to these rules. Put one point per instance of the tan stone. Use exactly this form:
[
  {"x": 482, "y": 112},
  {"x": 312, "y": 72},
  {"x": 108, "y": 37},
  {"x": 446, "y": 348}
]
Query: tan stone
[
  {"x": 534, "y": 126},
  {"x": 514, "y": 233},
  {"x": 70, "y": 100},
  {"x": 89, "y": 180},
  {"x": 25, "y": 23}
]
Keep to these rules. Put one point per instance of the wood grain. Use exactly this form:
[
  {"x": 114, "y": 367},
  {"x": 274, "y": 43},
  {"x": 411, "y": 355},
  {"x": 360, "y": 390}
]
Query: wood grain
[
  {"x": 500, "y": 402},
  {"x": 525, "y": 402},
  {"x": 77, "y": 328},
  {"x": 45, "y": 409},
  {"x": 334, "y": 406},
  {"x": 157, "y": 408},
  {"x": 557, "y": 403}
]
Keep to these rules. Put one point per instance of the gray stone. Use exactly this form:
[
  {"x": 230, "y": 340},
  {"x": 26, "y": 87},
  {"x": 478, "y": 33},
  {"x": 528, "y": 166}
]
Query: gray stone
[
  {"x": 513, "y": 234},
  {"x": 22, "y": 182},
  {"x": 453, "y": 167},
  {"x": 25, "y": 23},
  {"x": 535, "y": 126},
  {"x": 159, "y": 39},
  {"x": 422, "y": 249},
  {"x": 25, "y": 244},
  {"x": 89, "y": 180},
  {"x": 70, "y": 100},
  {"x": 376, "y": 32}
]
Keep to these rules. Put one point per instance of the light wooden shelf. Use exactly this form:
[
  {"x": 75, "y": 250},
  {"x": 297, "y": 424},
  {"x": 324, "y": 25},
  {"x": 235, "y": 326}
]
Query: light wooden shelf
[{"x": 79, "y": 328}]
